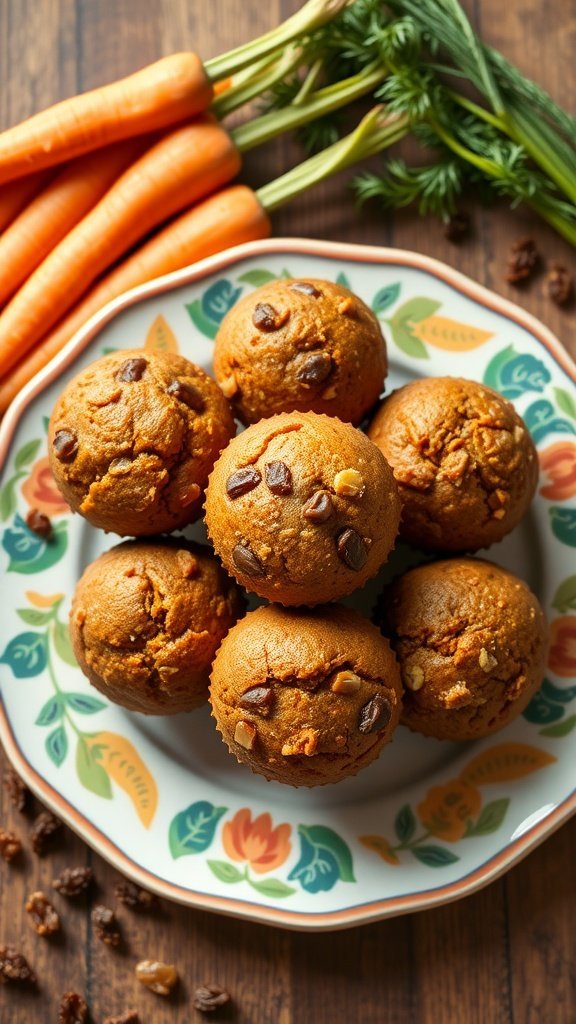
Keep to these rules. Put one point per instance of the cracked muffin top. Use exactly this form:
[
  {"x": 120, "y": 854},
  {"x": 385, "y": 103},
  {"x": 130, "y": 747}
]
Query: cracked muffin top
[
  {"x": 305, "y": 697},
  {"x": 133, "y": 438},
  {"x": 147, "y": 619},
  {"x": 300, "y": 345},
  {"x": 463, "y": 459},
  {"x": 302, "y": 508},
  {"x": 471, "y": 641}
]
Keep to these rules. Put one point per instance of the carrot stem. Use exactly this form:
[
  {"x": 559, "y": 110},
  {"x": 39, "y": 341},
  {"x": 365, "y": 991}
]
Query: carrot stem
[
  {"x": 311, "y": 16},
  {"x": 375, "y": 132},
  {"x": 261, "y": 77}
]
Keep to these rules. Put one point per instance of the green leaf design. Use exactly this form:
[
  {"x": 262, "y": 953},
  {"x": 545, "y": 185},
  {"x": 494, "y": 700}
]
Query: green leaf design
[
  {"x": 192, "y": 830},
  {"x": 344, "y": 280},
  {"x": 405, "y": 824},
  {"x": 564, "y": 599},
  {"x": 200, "y": 321},
  {"x": 563, "y": 522},
  {"x": 63, "y": 644},
  {"x": 406, "y": 341},
  {"x": 494, "y": 368},
  {"x": 26, "y": 654},
  {"x": 91, "y": 774},
  {"x": 51, "y": 711},
  {"x": 324, "y": 858},
  {"x": 417, "y": 309},
  {"x": 561, "y": 729},
  {"x": 541, "y": 711},
  {"x": 84, "y": 703},
  {"x": 273, "y": 888},
  {"x": 491, "y": 817},
  {"x": 565, "y": 401},
  {"x": 224, "y": 871},
  {"x": 257, "y": 277},
  {"x": 8, "y": 500},
  {"x": 35, "y": 617},
  {"x": 385, "y": 298},
  {"x": 26, "y": 454},
  {"x": 434, "y": 856},
  {"x": 57, "y": 745},
  {"x": 558, "y": 694},
  {"x": 29, "y": 553}
]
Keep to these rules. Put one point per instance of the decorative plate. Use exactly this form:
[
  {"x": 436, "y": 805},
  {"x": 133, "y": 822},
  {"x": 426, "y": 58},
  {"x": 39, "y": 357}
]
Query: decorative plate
[{"x": 161, "y": 798}]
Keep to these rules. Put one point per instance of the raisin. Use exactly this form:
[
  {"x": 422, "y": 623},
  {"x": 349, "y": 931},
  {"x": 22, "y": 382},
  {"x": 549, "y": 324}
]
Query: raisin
[
  {"x": 306, "y": 288},
  {"x": 43, "y": 830},
  {"x": 158, "y": 977},
  {"x": 208, "y": 998},
  {"x": 315, "y": 369},
  {"x": 106, "y": 926},
  {"x": 65, "y": 445},
  {"x": 560, "y": 284},
  {"x": 266, "y": 318},
  {"x": 187, "y": 394},
  {"x": 246, "y": 561},
  {"x": 318, "y": 508},
  {"x": 278, "y": 478},
  {"x": 242, "y": 482},
  {"x": 351, "y": 549},
  {"x": 44, "y": 918},
  {"x": 132, "y": 369},
  {"x": 73, "y": 1009},
  {"x": 15, "y": 967},
  {"x": 258, "y": 698},
  {"x": 73, "y": 881},
  {"x": 376, "y": 714},
  {"x": 522, "y": 260},
  {"x": 131, "y": 895},
  {"x": 10, "y": 845},
  {"x": 39, "y": 524}
]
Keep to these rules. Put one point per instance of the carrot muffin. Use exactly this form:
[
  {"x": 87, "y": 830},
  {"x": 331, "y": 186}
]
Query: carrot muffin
[
  {"x": 133, "y": 438},
  {"x": 300, "y": 344},
  {"x": 147, "y": 618},
  {"x": 471, "y": 641},
  {"x": 305, "y": 697},
  {"x": 463, "y": 460},
  {"x": 302, "y": 508}
]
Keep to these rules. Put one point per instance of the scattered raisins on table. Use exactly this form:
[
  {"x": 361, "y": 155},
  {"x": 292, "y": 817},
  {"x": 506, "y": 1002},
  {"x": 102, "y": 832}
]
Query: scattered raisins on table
[
  {"x": 522, "y": 260},
  {"x": 560, "y": 284},
  {"x": 18, "y": 794},
  {"x": 43, "y": 916},
  {"x": 135, "y": 897},
  {"x": 208, "y": 998},
  {"x": 10, "y": 845},
  {"x": 43, "y": 830},
  {"x": 157, "y": 976},
  {"x": 14, "y": 967},
  {"x": 73, "y": 881},
  {"x": 73, "y": 1009},
  {"x": 457, "y": 227},
  {"x": 106, "y": 926}
]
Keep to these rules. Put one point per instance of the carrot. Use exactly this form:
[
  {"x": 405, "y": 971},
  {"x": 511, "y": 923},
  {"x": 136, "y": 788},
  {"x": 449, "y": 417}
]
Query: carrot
[
  {"x": 181, "y": 168},
  {"x": 15, "y": 196},
  {"x": 161, "y": 94},
  {"x": 226, "y": 218},
  {"x": 58, "y": 208}
]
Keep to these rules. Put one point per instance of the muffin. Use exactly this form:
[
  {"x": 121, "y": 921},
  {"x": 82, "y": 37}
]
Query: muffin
[
  {"x": 305, "y": 697},
  {"x": 146, "y": 621},
  {"x": 463, "y": 460},
  {"x": 133, "y": 438},
  {"x": 302, "y": 508},
  {"x": 304, "y": 345},
  {"x": 471, "y": 641}
]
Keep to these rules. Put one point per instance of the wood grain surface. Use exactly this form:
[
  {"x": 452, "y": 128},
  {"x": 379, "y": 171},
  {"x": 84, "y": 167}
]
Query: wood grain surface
[{"x": 506, "y": 954}]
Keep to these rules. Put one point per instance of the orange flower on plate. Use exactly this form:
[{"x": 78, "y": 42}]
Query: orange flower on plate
[
  {"x": 558, "y": 463},
  {"x": 41, "y": 492},
  {"x": 264, "y": 847},
  {"x": 562, "y": 657},
  {"x": 446, "y": 810}
]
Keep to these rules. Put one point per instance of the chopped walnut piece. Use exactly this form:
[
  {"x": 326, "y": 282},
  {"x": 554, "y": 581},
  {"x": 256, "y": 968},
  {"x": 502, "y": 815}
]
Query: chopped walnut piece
[
  {"x": 304, "y": 742},
  {"x": 522, "y": 260},
  {"x": 245, "y": 734},
  {"x": 157, "y": 976},
  {"x": 229, "y": 386},
  {"x": 560, "y": 284},
  {"x": 14, "y": 967},
  {"x": 208, "y": 998},
  {"x": 106, "y": 926},
  {"x": 458, "y": 695},
  {"x": 345, "y": 682},
  {"x": 18, "y": 794},
  {"x": 134, "y": 897},
  {"x": 128, "y": 1017},
  {"x": 43, "y": 916},
  {"x": 73, "y": 1009},
  {"x": 413, "y": 677},
  {"x": 348, "y": 483},
  {"x": 486, "y": 660},
  {"x": 73, "y": 881},
  {"x": 43, "y": 830},
  {"x": 10, "y": 845}
]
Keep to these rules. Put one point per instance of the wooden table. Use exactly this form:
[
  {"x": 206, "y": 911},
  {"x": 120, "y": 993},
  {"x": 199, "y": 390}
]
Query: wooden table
[{"x": 506, "y": 954}]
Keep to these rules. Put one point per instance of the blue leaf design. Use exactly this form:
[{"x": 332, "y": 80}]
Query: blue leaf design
[
  {"x": 50, "y": 712},
  {"x": 26, "y": 654},
  {"x": 29, "y": 553},
  {"x": 541, "y": 419},
  {"x": 192, "y": 830},
  {"x": 386, "y": 297},
  {"x": 83, "y": 703},
  {"x": 434, "y": 856},
  {"x": 57, "y": 745},
  {"x": 324, "y": 858},
  {"x": 218, "y": 299},
  {"x": 558, "y": 694},
  {"x": 343, "y": 279},
  {"x": 541, "y": 711},
  {"x": 522, "y": 373},
  {"x": 563, "y": 522}
]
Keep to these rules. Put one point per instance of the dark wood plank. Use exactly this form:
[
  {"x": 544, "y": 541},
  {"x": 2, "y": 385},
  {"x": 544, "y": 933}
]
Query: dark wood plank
[{"x": 502, "y": 956}]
